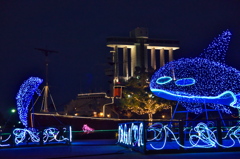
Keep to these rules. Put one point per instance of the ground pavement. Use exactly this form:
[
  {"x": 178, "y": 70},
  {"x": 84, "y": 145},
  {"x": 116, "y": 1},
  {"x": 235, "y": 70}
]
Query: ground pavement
[{"x": 100, "y": 149}]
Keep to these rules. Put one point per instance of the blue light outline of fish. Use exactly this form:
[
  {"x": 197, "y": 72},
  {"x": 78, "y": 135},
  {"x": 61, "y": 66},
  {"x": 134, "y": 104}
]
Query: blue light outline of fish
[{"x": 225, "y": 98}]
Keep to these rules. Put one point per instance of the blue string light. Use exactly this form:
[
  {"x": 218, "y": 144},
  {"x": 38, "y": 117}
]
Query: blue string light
[
  {"x": 164, "y": 80},
  {"x": 24, "y": 97},
  {"x": 3, "y": 142},
  {"x": 200, "y": 136},
  {"x": 209, "y": 80},
  {"x": 49, "y": 135},
  {"x": 216, "y": 51},
  {"x": 131, "y": 135},
  {"x": 21, "y": 134},
  {"x": 185, "y": 82},
  {"x": 53, "y": 134},
  {"x": 203, "y": 135}
]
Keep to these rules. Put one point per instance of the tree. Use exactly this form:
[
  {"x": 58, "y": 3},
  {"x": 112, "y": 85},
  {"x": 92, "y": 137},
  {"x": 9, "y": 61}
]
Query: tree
[{"x": 139, "y": 99}]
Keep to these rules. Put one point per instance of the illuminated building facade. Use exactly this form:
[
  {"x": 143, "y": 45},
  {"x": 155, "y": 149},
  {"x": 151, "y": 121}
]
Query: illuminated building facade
[{"x": 136, "y": 51}]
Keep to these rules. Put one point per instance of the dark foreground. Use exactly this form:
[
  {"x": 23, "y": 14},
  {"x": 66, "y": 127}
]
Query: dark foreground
[{"x": 104, "y": 149}]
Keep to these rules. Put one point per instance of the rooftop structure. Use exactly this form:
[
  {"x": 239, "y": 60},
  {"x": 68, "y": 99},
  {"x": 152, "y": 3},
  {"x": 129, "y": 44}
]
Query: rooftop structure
[{"x": 90, "y": 105}]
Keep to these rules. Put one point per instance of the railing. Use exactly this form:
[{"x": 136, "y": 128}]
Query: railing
[
  {"x": 164, "y": 136},
  {"x": 36, "y": 136}
]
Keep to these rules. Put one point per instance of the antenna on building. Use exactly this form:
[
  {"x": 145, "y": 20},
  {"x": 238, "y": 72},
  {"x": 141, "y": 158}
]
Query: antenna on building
[{"x": 44, "y": 107}]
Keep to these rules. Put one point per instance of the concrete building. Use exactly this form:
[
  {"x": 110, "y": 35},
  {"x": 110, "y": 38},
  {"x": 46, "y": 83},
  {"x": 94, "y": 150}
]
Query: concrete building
[{"x": 136, "y": 50}]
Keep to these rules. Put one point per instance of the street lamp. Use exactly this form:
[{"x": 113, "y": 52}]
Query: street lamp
[{"x": 13, "y": 110}]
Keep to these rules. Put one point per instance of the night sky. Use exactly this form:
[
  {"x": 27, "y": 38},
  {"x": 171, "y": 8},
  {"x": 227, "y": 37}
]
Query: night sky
[{"x": 78, "y": 29}]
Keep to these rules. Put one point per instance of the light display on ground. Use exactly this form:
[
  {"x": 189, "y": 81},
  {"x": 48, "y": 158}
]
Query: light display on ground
[
  {"x": 132, "y": 135},
  {"x": 4, "y": 140},
  {"x": 160, "y": 135},
  {"x": 204, "y": 79},
  {"x": 193, "y": 82},
  {"x": 200, "y": 136},
  {"x": 33, "y": 135},
  {"x": 22, "y": 134}
]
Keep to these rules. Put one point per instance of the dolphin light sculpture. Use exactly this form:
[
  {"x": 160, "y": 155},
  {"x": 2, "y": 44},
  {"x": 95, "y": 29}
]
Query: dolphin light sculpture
[{"x": 24, "y": 97}]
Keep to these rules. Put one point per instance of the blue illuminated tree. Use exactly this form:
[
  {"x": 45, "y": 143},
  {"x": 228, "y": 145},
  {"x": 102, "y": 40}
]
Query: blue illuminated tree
[{"x": 24, "y": 97}]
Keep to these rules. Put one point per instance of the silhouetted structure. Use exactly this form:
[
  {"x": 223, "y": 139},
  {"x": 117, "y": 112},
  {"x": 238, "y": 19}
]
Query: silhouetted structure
[{"x": 44, "y": 107}]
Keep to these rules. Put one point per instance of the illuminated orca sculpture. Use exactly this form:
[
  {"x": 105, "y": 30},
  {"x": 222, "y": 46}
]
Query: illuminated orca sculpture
[{"x": 204, "y": 79}]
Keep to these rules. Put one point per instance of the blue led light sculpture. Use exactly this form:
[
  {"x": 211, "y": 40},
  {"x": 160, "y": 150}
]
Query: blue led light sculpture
[
  {"x": 205, "y": 79},
  {"x": 200, "y": 136},
  {"x": 40, "y": 136},
  {"x": 194, "y": 83},
  {"x": 131, "y": 134},
  {"x": 185, "y": 82},
  {"x": 33, "y": 135},
  {"x": 162, "y": 136},
  {"x": 164, "y": 80},
  {"x": 24, "y": 97}
]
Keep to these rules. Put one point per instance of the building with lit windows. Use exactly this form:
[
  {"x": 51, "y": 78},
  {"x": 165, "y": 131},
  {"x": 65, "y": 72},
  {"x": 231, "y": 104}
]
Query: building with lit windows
[{"x": 138, "y": 50}]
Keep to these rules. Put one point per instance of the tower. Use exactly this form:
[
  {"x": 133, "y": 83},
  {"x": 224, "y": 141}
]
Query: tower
[{"x": 136, "y": 51}]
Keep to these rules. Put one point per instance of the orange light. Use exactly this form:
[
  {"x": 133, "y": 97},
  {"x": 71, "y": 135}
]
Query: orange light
[{"x": 101, "y": 114}]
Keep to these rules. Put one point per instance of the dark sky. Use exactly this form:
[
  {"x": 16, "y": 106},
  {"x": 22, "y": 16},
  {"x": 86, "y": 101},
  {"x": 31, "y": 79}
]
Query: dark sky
[{"x": 78, "y": 29}]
